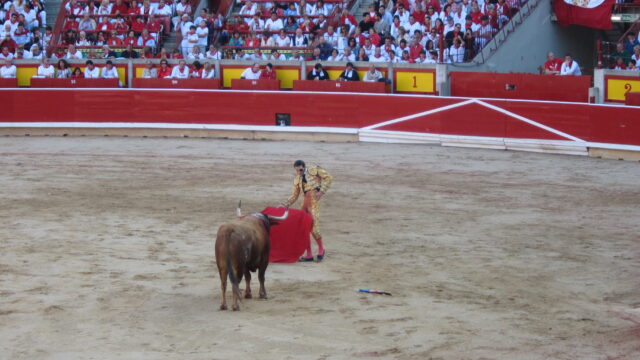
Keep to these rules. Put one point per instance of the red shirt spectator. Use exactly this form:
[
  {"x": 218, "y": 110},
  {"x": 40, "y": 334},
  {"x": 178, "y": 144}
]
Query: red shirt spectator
[
  {"x": 130, "y": 40},
  {"x": 375, "y": 38},
  {"x": 419, "y": 15},
  {"x": 348, "y": 19},
  {"x": 553, "y": 64},
  {"x": 153, "y": 25},
  {"x": 435, "y": 4},
  {"x": 119, "y": 8},
  {"x": 71, "y": 24},
  {"x": 268, "y": 73},
  {"x": 138, "y": 25},
  {"x": 242, "y": 27},
  {"x": 105, "y": 25},
  {"x": 414, "y": 51},
  {"x": 164, "y": 71}
]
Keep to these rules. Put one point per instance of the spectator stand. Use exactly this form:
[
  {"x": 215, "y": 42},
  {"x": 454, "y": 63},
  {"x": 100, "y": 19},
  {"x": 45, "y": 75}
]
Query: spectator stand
[
  {"x": 229, "y": 52},
  {"x": 63, "y": 15},
  {"x": 286, "y": 72},
  {"x": 622, "y": 13},
  {"x": 27, "y": 69}
]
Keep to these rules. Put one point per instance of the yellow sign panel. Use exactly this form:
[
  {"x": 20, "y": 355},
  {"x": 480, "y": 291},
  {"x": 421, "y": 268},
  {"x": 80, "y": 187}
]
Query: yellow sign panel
[
  {"x": 422, "y": 82},
  {"x": 286, "y": 77},
  {"x": 24, "y": 74},
  {"x": 230, "y": 73},
  {"x": 617, "y": 88}
]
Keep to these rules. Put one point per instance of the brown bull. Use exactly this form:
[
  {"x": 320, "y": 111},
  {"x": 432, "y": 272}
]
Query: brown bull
[{"x": 242, "y": 246}]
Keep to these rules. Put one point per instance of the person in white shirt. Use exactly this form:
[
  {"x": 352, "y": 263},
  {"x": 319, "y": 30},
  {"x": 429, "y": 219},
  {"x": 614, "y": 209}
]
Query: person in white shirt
[
  {"x": 335, "y": 56},
  {"x": 181, "y": 71},
  {"x": 456, "y": 51},
  {"x": 203, "y": 35},
  {"x": 190, "y": 40},
  {"x": 402, "y": 14},
  {"x": 377, "y": 56},
  {"x": 248, "y": 8},
  {"x": 213, "y": 53},
  {"x": 182, "y": 8},
  {"x": 372, "y": 75},
  {"x": 5, "y": 54},
  {"x": 570, "y": 66},
  {"x": 348, "y": 55},
  {"x": 276, "y": 56},
  {"x": 8, "y": 70},
  {"x": 251, "y": 73},
  {"x": 73, "y": 53},
  {"x": 209, "y": 72},
  {"x": 91, "y": 71},
  {"x": 299, "y": 40},
  {"x": 109, "y": 71},
  {"x": 36, "y": 53},
  {"x": 392, "y": 58},
  {"x": 256, "y": 24},
  {"x": 46, "y": 69},
  {"x": 282, "y": 40},
  {"x": 295, "y": 56},
  {"x": 195, "y": 54},
  {"x": 273, "y": 23}
]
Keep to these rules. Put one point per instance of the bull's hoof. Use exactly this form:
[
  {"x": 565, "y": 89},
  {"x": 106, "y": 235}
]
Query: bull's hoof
[
  {"x": 223, "y": 307},
  {"x": 248, "y": 295},
  {"x": 235, "y": 308},
  {"x": 263, "y": 296}
]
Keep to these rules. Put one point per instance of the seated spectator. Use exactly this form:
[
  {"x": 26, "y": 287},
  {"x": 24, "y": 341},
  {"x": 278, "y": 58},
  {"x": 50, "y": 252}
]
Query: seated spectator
[
  {"x": 273, "y": 23},
  {"x": 21, "y": 35},
  {"x": 107, "y": 53},
  {"x": 165, "y": 70},
  {"x": 147, "y": 53},
  {"x": 621, "y": 52},
  {"x": 630, "y": 42},
  {"x": 373, "y": 75},
  {"x": 570, "y": 66},
  {"x": 208, "y": 72},
  {"x": 196, "y": 72},
  {"x": 8, "y": 70},
  {"x": 276, "y": 56},
  {"x": 46, "y": 70},
  {"x": 362, "y": 55},
  {"x": 236, "y": 40},
  {"x": 71, "y": 24},
  {"x": 291, "y": 24},
  {"x": 299, "y": 40},
  {"x": 138, "y": 25},
  {"x": 268, "y": 72},
  {"x": 325, "y": 48},
  {"x": 315, "y": 55},
  {"x": 77, "y": 74},
  {"x": 100, "y": 40},
  {"x": 129, "y": 53},
  {"x": 146, "y": 39},
  {"x": 553, "y": 65},
  {"x": 131, "y": 39},
  {"x": 176, "y": 54},
  {"x": 391, "y": 57},
  {"x": 62, "y": 71},
  {"x": 87, "y": 23},
  {"x": 241, "y": 55},
  {"x": 164, "y": 13},
  {"x": 195, "y": 54},
  {"x": 213, "y": 53},
  {"x": 484, "y": 33},
  {"x": 348, "y": 55},
  {"x": 114, "y": 40},
  {"x": 318, "y": 73},
  {"x": 295, "y": 56},
  {"x": 119, "y": 8},
  {"x": 636, "y": 56},
  {"x": 149, "y": 72},
  {"x": 82, "y": 39},
  {"x": 73, "y": 53},
  {"x": 282, "y": 40},
  {"x": 21, "y": 54},
  {"x": 91, "y": 71},
  {"x": 619, "y": 64},
  {"x": 456, "y": 51},
  {"x": 154, "y": 27},
  {"x": 251, "y": 73},
  {"x": 109, "y": 71},
  {"x": 377, "y": 56},
  {"x": 181, "y": 71},
  {"x": 335, "y": 56},
  {"x": 120, "y": 25},
  {"x": 256, "y": 24},
  {"x": 349, "y": 74}
]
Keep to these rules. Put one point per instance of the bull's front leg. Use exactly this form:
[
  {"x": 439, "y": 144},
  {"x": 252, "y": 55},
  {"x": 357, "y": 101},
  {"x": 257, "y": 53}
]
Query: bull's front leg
[
  {"x": 247, "y": 280},
  {"x": 223, "y": 286},
  {"x": 261, "y": 271}
]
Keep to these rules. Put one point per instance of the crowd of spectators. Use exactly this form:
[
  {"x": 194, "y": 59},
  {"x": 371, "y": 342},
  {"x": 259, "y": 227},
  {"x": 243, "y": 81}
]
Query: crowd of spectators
[
  {"x": 626, "y": 55},
  {"x": 21, "y": 34},
  {"x": 404, "y": 31}
]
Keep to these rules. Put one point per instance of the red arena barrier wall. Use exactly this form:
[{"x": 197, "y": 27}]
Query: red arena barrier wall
[
  {"x": 398, "y": 114},
  {"x": 520, "y": 86}
]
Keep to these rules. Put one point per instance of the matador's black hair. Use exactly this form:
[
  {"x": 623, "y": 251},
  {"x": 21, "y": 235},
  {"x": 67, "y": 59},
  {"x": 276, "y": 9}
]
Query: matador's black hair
[{"x": 299, "y": 163}]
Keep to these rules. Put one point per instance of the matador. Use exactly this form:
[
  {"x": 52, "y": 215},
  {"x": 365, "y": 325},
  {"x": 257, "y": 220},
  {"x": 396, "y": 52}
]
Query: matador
[{"x": 313, "y": 182}]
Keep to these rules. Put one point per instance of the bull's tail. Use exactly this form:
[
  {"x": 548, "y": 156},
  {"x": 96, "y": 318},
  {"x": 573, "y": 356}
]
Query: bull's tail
[{"x": 233, "y": 276}]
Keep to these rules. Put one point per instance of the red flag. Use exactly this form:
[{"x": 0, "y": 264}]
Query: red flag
[{"x": 590, "y": 13}]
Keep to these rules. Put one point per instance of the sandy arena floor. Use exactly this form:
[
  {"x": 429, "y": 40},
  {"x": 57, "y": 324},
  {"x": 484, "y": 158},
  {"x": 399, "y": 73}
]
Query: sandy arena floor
[{"x": 106, "y": 252}]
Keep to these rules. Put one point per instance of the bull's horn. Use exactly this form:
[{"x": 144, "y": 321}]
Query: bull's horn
[
  {"x": 280, "y": 218},
  {"x": 238, "y": 211}
]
